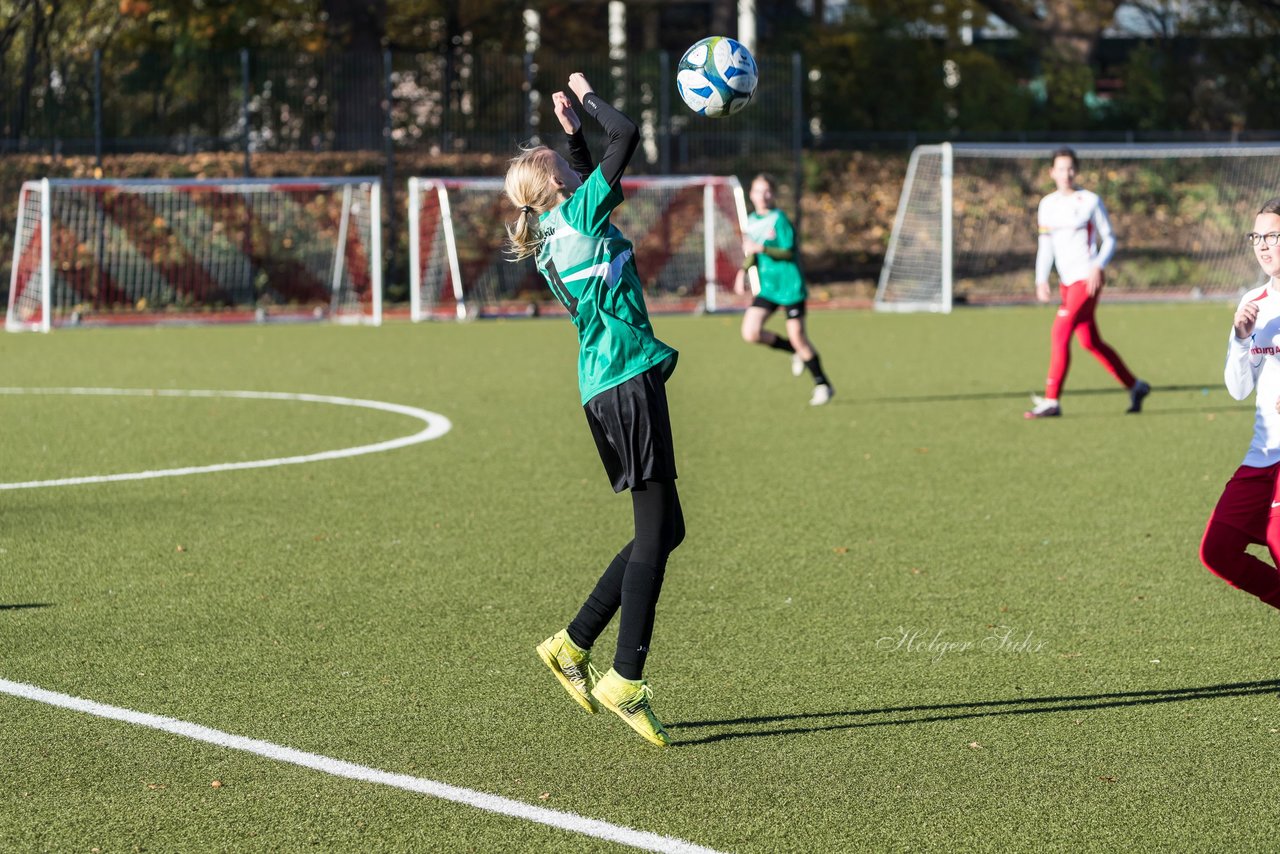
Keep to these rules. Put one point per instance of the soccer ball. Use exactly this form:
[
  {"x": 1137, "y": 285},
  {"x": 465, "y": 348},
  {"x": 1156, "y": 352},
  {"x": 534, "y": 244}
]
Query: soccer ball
[{"x": 717, "y": 77}]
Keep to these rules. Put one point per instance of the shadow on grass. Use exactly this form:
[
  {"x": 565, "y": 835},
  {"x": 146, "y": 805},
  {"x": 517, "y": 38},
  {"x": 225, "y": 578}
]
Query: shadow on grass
[
  {"x": 1245, "y": 409},
  {"x": 25, "y": 605},
  {"x": 760, "y": 727},
  {"x": 1023, "y": 394}
]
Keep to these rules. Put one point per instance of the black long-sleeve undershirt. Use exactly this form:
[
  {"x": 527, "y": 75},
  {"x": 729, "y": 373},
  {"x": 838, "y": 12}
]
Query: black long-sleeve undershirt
[
  {"x": 579, "y": 155},
  {"x": 624, "y": 136}
]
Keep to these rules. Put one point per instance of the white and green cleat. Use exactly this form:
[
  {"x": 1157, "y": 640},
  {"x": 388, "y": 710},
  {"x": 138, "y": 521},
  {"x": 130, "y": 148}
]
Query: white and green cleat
[
  {"x": 629, "y": 700},
  {"x": 572, "y": 666}
]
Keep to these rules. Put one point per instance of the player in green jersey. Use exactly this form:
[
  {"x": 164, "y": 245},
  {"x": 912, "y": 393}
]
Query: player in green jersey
[
  {"x": 770, "y": 247},
  {"x": 564, "y": 226}
]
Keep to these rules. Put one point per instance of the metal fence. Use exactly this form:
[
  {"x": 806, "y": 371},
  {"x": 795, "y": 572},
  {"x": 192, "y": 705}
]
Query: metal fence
[
  {"x": 412, "y": 113},
  {"x": 409, "y": 114},
  {"x": 478, "y": 102}
]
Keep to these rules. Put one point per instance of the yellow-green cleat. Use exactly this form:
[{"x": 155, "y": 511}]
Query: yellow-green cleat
[
  {"x": 629, "y": 700},
  {"x": 572, "y": 666}
]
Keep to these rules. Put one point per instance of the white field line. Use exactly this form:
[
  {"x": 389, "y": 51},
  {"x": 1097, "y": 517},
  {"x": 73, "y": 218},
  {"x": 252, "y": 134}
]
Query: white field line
[
  {"x": 338, "y": 768},
  {"x": 437, "y": 426}
]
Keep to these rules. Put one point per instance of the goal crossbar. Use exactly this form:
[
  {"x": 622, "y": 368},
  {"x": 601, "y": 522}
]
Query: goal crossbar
[
  {"x": 153, "y": 250},
  {"x": 687, "y": 231},
  {"x": 965, "y": 229}
]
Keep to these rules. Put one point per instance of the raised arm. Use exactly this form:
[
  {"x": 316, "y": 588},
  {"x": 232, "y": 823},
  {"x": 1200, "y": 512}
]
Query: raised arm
[
  {"x": 623, "y": 134},
  {"x": 579, "y": 155},
  {"x": 1241, "y": 371}
]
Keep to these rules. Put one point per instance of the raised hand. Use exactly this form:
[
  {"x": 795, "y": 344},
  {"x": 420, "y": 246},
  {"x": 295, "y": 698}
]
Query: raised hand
[
  {"x": 578, "y": 83},
  {"x": 565, "y": 113},
  {"x": 1246, "y": 318}
]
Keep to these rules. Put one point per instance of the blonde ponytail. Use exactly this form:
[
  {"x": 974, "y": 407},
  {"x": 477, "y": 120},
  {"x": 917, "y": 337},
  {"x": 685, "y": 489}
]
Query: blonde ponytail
[{"x": 530, "y": 185}]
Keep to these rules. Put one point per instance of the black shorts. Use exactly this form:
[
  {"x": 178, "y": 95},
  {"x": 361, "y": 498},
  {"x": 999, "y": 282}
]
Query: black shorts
[
  {"x": 632, "y": 429},
  {"x": 794, "y": 311}
]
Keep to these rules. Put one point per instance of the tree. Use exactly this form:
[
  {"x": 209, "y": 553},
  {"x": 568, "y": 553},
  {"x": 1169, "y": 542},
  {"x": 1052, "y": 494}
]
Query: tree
[
  {"x": 36, "y": 40},
  {"x": 1062, "y": 35},
  {"x": 1069, "y": 30}
]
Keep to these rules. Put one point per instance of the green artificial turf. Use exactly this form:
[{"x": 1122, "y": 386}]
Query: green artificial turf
[{"x": 908, "y": 620}]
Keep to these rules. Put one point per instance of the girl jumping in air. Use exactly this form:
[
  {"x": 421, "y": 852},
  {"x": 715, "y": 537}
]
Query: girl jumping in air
[
  {"x": 1249, "y": 510},
  {"x": 563, "y": 224},
  {"x": 770, "y": 247}
]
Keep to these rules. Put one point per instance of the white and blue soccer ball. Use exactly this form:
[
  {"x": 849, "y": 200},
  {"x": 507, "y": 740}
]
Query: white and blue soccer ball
[{"x": 717, "y": 77}]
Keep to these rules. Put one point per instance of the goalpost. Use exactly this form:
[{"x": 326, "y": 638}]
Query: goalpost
[
  {"x": 965, "y": 229},
  {"x": 687, "y": 232},
  {"x": 153, "y": 251}
]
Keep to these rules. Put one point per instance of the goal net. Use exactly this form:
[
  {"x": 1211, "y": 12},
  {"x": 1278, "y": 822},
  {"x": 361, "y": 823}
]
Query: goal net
[
  {"x": 965, "y": 229},
  {"x": 687, "y": 233},
  {"x": 148, "y": 251}
]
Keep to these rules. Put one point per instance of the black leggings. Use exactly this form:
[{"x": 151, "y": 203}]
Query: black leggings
[{"x": 633, "y": 580}]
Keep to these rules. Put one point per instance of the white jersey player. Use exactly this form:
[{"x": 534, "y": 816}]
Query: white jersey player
[
  {"x": 1076, "y": 238},
  {"x": 1249, "y": 510}
]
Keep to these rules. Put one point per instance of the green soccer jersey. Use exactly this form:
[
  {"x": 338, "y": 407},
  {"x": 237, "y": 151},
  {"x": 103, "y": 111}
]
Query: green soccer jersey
[
  {"x": 588, "y": 265},
  {"x": 780, "y": 281}
]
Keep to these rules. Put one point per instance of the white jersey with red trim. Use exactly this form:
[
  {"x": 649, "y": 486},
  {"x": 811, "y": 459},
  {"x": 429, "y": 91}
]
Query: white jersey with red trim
[
  {"x": 1075, "y": 235},
  {"x": 1254, "y": 364}
]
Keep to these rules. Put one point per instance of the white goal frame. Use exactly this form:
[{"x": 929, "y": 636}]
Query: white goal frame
[
  {"x": 926, "y": 265},
  {"x": 198, "y": 250},
  {"x": 442, "y": 286}
]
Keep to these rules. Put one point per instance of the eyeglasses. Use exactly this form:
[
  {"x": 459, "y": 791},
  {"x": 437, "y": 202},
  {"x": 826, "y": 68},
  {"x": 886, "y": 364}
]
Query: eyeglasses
[{"x": 1271, "y": 238}]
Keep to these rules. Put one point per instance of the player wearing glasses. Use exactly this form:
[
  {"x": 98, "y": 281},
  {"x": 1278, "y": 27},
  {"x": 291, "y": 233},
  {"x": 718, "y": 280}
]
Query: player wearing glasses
[{"x": 1249, "y": 510}]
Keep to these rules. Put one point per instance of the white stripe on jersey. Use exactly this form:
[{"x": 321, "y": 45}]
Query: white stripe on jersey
[
  {"x": 610, "y": 272},
  {"x": 1254, "y": 363},
  {"x": 1068, "y": 227}
]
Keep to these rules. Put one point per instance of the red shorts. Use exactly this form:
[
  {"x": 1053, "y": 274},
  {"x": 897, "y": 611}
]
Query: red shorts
[{"x": 1248, "y": 501}]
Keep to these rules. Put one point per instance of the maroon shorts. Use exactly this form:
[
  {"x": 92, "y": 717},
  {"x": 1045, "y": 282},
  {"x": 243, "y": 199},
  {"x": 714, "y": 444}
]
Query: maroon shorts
[{"x": 1248, "y": 501}]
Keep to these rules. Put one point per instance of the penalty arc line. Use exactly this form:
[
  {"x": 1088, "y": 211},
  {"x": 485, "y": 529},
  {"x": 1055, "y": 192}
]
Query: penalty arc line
[
  {"x": 437, "y": 426},
  {"x": 339, "y": 768}
]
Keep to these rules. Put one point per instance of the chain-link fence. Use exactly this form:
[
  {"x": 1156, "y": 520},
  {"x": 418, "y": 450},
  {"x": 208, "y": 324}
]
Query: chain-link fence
[
  {"x": 397, "y": 114},
  {"x": 394, "y": 114},
  {"x": 480, "y": 102}
]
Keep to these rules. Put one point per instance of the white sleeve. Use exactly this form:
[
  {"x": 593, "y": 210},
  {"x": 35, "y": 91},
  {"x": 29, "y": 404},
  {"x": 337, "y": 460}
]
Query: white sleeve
[
  {"x": 1044, "y": 250},
  {"x": 1106, "y": 237},
  {"x": 1044, "y": 258},
  {"x": 1241, "y": 373}
]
